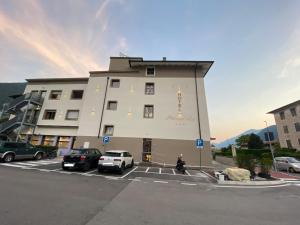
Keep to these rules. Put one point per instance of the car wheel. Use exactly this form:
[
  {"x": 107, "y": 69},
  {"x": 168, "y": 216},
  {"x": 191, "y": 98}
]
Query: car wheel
[
  {"x": 122, "y": 168},
  {"x": 292, "y": 170},
  {"x": 100, "y": 170},
  {"x": 86, "y": 167},
  {"x": 8, "y": 158},
  {"x": 132, "y": 164},
  {"x": 38, "y": 156}
]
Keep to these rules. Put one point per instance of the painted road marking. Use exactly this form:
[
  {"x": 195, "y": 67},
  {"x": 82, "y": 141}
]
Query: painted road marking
[
  {"x": 129, "y": 172},
  {"x": 159, "y": 171},
  {"x": 24, "y": 164},
  {"x": 92, "y": 171},
  {"x": 12, "y": 165},
  {"x": 134, "y": 179},
  {"x": 187, "y": 172},
  {"x": 147, "y": 169},
  {"x": 189, "y": 184},
  {"x": 173, "y": 171},
  {"x": 160, "y": 181}
]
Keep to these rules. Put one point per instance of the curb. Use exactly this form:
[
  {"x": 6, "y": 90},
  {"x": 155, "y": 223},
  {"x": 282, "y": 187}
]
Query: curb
[{"x": 253, "y": 183}]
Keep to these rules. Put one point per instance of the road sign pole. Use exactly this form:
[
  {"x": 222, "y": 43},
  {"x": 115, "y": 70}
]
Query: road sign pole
[{"x": 200, "y": 159}]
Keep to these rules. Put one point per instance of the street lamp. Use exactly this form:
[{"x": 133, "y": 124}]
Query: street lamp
[{"x": 271, "y": 149}]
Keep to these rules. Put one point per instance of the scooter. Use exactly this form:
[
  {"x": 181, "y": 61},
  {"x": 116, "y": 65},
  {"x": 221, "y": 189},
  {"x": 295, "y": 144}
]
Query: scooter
[{"x": 180, "y": 167}]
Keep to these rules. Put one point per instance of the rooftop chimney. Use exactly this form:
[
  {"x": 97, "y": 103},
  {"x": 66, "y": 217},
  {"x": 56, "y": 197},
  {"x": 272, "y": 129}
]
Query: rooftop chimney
[{"x": 164, "y": 58}]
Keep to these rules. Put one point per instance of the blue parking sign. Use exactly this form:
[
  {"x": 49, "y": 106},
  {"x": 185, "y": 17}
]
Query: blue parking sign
[
  {"x": 105, "y": 139},
  {"x": 199, "y": 143}
]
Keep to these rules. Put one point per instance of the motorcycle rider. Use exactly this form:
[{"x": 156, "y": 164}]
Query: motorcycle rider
[{"x": 180, "y": 164}]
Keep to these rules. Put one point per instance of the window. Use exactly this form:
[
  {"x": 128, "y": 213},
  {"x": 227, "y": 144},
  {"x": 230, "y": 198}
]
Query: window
[
  {"x": 72, "y": 115},
  {"x": 148, "y": 111},
  {"x": 48, "y": 141},
  {"x": 293, "y": 112},
  {"x": 63, "y": 142},
  {"x": 115, "y": 83},
  {"x": 77, "y": 94},
  {"x": 297, "y": 127},
  {"x": 282, "y": 116},
  {"x": 149, "y": 89},
  {"x": 285, "y": 129},
  {"x": 112, "y": 105},
  {"x": 150, "y": 71},
  {"x": 289, "y": 144},
  {"x": 49, "y": 114},
  {"x": 55, "y": 95},
  {"x": 269, "y": 134},
  {"x": 299, "y": 141},
  {"x": 108, "y": 130}
]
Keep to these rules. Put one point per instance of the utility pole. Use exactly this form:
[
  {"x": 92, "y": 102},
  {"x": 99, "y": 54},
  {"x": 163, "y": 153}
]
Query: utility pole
[{"x": 270, "y": 145}]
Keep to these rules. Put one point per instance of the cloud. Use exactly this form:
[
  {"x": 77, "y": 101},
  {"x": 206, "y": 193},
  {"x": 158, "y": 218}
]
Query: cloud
[
  {"x": 291, "y": 57},
  {"x": 33, "y": 31}
]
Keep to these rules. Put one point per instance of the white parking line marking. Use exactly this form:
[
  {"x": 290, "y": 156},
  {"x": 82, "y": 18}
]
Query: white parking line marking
[
  {"x": 44, "y": 170},
  {"x": 147, "y": 169},
  {"x": 173, "y": 171},
  {"x": 24, "y": 164},
  {"x": 134, "y": 179},
  {"x": 60, "y": 169},
  {"x": 64, "y": 172},
  {"x": 159, "y": 181},
  {"x": 159, "y": 171},
  {"x": 12, "y": 165},
  {"x": 189, "y": 184},
  {"x": 92, "y": 171},
  {"x": 129, "y": 172},
  {"x": 187, "y": 172}
]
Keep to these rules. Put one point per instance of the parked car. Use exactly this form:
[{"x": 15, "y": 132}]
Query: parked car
[
  {"x": 288, "y": 164},
  {"x": 82, "y": 159},
  {"x": 117, "y": 160},
  {"x": 9, "y": 151}
]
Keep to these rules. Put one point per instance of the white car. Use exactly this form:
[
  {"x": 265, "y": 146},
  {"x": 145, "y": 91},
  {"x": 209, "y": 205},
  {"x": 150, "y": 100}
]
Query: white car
[{"x": 115, "y": 160}]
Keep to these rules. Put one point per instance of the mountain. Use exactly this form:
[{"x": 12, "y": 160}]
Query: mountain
[
  {"x": 259, "y": 132},
  {"x": 8, "y": 89}
]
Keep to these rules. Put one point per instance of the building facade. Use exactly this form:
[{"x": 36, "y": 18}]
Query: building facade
[
  {"x": 287, "y": 120},
  {"x": 154, "y": 109}
]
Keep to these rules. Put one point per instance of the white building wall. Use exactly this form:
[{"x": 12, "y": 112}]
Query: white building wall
[
  {"x": 49, "y": 127},
  {"x": 131, "y": 100}
]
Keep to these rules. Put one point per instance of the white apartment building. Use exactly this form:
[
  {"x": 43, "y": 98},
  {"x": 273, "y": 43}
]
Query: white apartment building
[
  {"x": 154, "y": 109},
  {"x": 287, "y": 120}
]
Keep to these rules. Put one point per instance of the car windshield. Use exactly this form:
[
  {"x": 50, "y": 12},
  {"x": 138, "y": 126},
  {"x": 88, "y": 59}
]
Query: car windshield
[
  {"x": 78, "y": 152},
  {"x": 112, "y": 154},
  {"x": 293, "y": 160}
]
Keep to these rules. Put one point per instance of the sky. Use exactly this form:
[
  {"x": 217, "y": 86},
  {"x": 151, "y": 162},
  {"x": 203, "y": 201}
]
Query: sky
[{"x": 255, "y": 45}]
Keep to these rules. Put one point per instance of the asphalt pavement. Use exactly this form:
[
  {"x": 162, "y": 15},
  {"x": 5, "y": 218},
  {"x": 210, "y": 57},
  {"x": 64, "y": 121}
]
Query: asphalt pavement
[{"x": 48, "y": 197}]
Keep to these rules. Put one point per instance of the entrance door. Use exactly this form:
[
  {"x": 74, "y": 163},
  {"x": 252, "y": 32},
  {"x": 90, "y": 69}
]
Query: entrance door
[{"x": 147, "y": 143}]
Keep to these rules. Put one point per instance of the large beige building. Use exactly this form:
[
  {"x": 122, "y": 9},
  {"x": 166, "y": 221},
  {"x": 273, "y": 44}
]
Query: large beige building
[
  {"x": 154, "y": 109},
  {"x": 287, "y": 120}
]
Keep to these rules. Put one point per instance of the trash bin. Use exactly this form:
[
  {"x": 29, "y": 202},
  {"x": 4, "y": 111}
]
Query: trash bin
[{"x": 221, "y": 177}]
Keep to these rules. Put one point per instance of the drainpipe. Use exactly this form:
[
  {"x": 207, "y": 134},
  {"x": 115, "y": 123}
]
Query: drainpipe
[
  {"x": 197, "y": 102},
  {"x": 104, "y": 100}
]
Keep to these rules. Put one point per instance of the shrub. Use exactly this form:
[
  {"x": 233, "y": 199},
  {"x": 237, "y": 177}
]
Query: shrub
[
  {"x": 266, "y": 163},
  {"x": 246, "y": 161}
]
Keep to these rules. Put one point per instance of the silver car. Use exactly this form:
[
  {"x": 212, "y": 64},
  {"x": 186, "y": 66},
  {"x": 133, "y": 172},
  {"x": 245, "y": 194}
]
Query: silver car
[{"x": 289, "y": 164}]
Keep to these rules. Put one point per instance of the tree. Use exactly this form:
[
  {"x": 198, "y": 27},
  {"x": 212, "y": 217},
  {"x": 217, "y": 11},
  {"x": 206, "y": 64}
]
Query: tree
[
  {"x": 242, "y": 140},
  {"x": 255, "y": 142}
]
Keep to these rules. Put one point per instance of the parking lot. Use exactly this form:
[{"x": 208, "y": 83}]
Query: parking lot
[{"x": 160, "y": 173}]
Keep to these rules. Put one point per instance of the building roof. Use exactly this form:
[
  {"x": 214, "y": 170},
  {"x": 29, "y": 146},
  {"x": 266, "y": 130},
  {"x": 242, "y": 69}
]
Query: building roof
[
  {"x": 285, "y": 107},
  {"x": 205, "y": 65},
  {"x": 50, "y": 80}
]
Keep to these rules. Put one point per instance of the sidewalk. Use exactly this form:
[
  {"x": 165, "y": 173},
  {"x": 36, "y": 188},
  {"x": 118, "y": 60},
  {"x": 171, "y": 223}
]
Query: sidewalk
[{"x": 283, "y": 176}]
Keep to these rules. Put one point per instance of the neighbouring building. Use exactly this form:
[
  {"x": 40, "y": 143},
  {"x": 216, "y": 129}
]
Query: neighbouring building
[
  {"x": 287, "y": 120},
  {"x": 154, "y": 109}
]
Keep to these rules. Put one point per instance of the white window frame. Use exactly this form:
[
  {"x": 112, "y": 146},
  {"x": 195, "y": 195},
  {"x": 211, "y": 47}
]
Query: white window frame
[
  {"x": 151, "y": 75},
  {"x": 72, "y": 110}
]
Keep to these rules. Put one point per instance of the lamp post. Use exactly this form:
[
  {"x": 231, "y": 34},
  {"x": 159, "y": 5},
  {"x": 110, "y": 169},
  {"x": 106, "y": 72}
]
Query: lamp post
[{"x": 270, "y": 145}]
